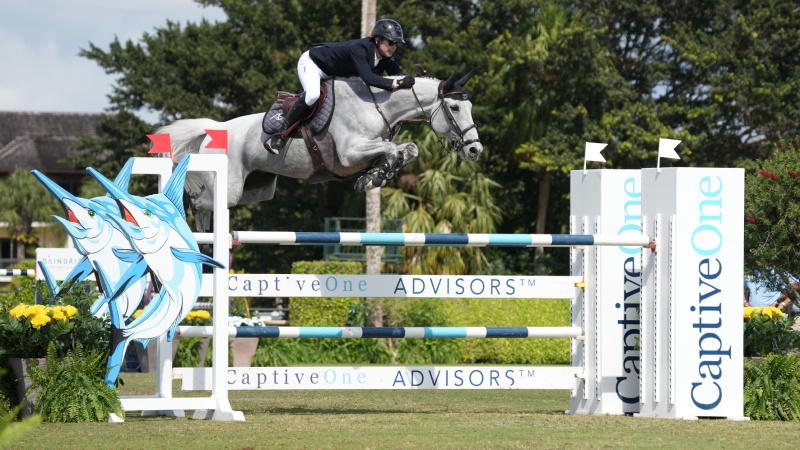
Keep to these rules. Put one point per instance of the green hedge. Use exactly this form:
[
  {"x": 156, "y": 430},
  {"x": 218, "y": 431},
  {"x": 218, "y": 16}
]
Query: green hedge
[
  {"x": 492, "y": 313},
  {"x": 410, "y": 312},
  {"x": 323, "y": 312},
  {"x": 511, "y": 313}
]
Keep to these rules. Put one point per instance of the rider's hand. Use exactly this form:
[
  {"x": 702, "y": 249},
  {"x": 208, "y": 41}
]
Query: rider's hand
[{"x": 406, "y": 82}]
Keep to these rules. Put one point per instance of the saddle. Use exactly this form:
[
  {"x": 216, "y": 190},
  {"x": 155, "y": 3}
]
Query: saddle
[
  {"x": 317, "y": 118},
  {"x": 313, "y": 124}
]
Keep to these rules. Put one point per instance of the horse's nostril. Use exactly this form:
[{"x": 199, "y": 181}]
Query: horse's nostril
[{"x": 473, "y": 150}]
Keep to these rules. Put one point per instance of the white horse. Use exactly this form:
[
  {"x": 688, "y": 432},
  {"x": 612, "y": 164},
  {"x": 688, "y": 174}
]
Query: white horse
[{"x": 357, "y": 141}]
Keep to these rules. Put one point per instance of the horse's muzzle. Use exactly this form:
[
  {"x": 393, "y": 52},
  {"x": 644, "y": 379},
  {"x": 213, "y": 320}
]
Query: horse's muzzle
[{"x": 472, "y": 150}]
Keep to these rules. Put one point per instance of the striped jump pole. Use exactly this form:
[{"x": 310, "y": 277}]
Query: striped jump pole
[
  {"x": 432, "y": 239},
  {"x": 18, "y": 272},
  {"x": 389, "y": 332}
]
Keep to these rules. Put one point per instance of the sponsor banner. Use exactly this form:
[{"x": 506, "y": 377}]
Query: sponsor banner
[
  {"x": 411, "y": 377},
  {"x": 608, "y": 202},
  {"x": 693, "y": 313},
  {"x": 422, "y": 286},
  {"x": 59, "y": 261}
]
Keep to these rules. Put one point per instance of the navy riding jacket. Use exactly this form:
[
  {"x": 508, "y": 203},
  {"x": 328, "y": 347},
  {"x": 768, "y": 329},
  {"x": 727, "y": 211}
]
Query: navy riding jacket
[{"x": 352, "y": 58}]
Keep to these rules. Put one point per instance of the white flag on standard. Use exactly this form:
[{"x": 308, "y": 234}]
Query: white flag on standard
[
  {"x": 666, "y": 148},
  {"x": 593, "y": 150}
]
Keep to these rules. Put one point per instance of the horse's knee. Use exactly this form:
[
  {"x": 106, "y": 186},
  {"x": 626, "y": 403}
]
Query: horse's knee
[{"x": 410, "y": 151}]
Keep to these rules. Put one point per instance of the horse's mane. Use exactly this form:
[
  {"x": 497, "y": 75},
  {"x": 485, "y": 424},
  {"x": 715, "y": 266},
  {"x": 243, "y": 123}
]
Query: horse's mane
[{"x": 358, "y": 85}]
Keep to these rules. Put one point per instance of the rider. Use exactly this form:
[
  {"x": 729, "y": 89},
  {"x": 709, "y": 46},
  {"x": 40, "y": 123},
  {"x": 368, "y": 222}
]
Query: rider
[{"x": 366, "y": 58}]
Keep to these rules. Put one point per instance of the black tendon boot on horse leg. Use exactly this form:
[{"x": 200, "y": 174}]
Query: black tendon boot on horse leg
[{"x": 299, "y": 110}]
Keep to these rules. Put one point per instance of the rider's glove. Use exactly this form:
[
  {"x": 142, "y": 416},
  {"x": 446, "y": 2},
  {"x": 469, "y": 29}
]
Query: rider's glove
[{"x": 406, "y": 82}]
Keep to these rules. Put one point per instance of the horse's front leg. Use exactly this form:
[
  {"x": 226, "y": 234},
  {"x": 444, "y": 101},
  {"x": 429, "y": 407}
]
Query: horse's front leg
[{"x": 395, "y": 157}]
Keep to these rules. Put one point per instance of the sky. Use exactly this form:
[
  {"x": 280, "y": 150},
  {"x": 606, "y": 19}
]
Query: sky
[{"x": 40, "y": 41}]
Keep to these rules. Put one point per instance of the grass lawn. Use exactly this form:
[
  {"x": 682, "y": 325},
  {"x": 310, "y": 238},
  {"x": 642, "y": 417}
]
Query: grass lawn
[{"x": 423, "y": 419}]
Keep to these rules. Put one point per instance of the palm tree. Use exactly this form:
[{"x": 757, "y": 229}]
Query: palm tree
[
  {"x": 443, "y": 194},
  {"x": 23, "y": 201}
]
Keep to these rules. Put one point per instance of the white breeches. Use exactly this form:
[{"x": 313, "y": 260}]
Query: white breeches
[{"x": 310, "y": 76}]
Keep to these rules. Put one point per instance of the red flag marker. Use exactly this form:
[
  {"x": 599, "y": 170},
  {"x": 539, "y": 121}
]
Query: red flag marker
[
  {"x": 161, "y": 144},
  {"x": 219, "y": 139}
]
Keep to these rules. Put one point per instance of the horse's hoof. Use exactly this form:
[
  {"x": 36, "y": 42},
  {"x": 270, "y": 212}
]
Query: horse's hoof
[
  {"x": 361, "y": 184},
  {"x": 398, "y": 164}
]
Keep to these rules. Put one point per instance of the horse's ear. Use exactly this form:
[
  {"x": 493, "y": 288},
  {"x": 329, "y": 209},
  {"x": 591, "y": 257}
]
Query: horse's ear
[
  {"x": 460, "y": 83},
  {"x": 447, "y": 86}
]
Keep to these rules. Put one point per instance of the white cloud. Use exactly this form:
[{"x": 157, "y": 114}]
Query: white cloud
[{"x": 40, "y": 41}]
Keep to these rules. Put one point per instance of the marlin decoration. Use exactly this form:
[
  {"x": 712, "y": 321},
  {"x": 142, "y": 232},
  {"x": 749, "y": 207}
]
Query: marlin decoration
[
  {"x": 96, "y": 237},
  {"x": 161, "y": 244}
]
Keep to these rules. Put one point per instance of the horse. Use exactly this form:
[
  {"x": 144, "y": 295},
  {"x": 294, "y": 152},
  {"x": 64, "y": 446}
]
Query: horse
[{"x": 356, "y": 142}]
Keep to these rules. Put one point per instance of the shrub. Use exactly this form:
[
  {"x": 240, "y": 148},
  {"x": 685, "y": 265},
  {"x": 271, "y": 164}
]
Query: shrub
[
  {"x": 767, "y": 330},
  {"x": 771, "y": 388},
  {"x": 74, "y": 389},
  {"x": 315, "y": 311},
  {"x": 426, "y": 312},
  {"x": 10, "y": 430},
  {"x": 772, "y": 216},
  {"x": 510, "y": 313}
]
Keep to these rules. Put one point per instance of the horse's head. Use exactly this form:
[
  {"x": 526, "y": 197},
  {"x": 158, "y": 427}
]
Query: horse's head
[{"x": 455, "y": 121}]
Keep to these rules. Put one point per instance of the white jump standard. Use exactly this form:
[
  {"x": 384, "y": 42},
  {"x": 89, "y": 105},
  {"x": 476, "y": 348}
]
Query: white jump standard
[{"x": 689, "y": 335}]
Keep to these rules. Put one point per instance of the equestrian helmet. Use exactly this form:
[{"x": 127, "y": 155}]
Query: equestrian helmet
[{"x": 388, "y": 29}]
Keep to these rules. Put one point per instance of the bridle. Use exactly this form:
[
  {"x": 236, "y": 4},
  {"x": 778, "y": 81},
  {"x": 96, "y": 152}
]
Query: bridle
[{"x": 458, "y": 143}]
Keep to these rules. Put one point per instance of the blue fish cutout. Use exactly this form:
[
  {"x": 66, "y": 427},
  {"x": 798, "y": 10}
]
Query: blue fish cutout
[
  {"x": 97, "y": 238},
  {"x": 156, "y": 229}
]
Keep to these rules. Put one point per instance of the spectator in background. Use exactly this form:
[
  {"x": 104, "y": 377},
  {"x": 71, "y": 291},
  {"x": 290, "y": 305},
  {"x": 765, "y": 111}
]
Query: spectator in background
[{"x": 758, "y": 294}]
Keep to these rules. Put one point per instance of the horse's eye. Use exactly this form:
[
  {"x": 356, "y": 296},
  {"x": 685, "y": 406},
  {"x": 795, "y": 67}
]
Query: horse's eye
[
  {"x": 90, "y": 212},
  {"x": 455, "y": 108},
  {"x": 148, "y": 213}
]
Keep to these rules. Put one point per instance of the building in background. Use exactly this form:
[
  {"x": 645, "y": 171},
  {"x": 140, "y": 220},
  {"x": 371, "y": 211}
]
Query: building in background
[{"x": 46, "y": 142}]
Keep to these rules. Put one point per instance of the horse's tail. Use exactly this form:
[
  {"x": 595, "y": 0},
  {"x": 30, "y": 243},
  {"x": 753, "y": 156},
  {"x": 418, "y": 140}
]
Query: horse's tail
[{"x": 186, "y": 135}]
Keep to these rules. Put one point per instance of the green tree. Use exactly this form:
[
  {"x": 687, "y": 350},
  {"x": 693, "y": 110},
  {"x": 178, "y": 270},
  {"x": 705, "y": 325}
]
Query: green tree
[
  {"x": 225, "y": 70},
  {"x": 559, "y": 88},
  {"x": 23, "y": 201},
  {"x": 772, "y": 218},
  {"x": 439, "y": 193},
  {"x": 721, "y": 75}
]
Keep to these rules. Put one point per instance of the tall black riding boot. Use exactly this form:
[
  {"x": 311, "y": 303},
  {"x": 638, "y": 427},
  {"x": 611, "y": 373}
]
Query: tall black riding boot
[{"x": 275, "y": 144}]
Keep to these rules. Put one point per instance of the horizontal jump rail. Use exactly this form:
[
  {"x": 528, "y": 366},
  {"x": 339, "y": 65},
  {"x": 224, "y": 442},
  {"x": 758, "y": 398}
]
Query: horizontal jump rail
[
  {"x": 430, "y": 239},
  {"x": 388, "y": 332},
  {"x": 18, "y": 272}
]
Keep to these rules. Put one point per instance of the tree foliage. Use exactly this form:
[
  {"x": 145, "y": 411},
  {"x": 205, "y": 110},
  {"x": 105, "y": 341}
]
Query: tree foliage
[
  {"x": 772, "y": 217},
  {"x": 440, "y": 193},
  {"x": 721, "y": 75},
  {"x": 23, "y": 201}
]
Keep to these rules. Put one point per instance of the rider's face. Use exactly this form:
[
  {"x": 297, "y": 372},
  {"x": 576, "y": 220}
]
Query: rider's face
[{"x": 386, "y": 47}]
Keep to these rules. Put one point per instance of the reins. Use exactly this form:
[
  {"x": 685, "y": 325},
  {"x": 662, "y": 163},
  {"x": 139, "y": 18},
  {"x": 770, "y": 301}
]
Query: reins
[{"x": 458, "y": 143}]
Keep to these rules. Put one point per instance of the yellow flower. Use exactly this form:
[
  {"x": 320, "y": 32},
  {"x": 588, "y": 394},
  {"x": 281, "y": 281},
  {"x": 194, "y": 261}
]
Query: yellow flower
[
  {"x": 772, "y": 312},
  {"x": 70, "y": 310},
  {"x": 748, "y": 312},
  {"x": 18, "y": 311},
  {"x": 35, "y": 310},
  {"x": 58, "y": 313},
  {"x": 202, "y": 314},
  {"x": 40, "y": 319}
]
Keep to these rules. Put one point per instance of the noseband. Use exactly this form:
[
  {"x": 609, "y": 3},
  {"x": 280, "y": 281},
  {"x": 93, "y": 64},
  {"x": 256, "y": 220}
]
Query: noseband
[{"x": 459, "y": 142}]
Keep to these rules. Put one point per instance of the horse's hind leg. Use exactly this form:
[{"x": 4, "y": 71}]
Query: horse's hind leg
[{"x": 202, "y": 221}]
